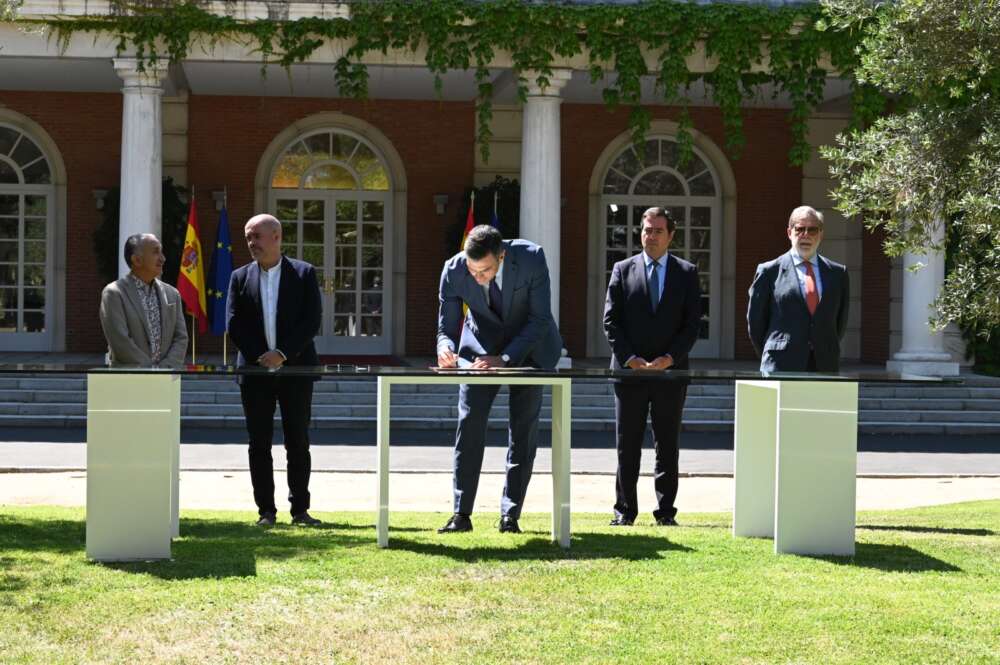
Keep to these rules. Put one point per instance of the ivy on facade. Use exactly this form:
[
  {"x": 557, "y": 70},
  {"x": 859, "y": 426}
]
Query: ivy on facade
[{"x": 750, "y": 44}]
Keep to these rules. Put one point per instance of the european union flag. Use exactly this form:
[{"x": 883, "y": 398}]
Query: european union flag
[{"x": 218, "y": 275}]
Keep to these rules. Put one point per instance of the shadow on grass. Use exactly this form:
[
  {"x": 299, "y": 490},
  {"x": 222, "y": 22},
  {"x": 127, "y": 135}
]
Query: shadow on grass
[
  {"x": 208, "y": 549},
  {"x": 214, "y": 549},
  {"x": 928, "y": 529},
  {"x": 892, "y": 558},
  {"x": 583, "y": 546},
  {"x": 60, "y": 536}
]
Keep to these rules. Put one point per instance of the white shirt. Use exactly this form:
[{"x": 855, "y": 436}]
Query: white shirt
[
  {"x": 270, "y": 280},
  {"x": 800, "y": 271}
]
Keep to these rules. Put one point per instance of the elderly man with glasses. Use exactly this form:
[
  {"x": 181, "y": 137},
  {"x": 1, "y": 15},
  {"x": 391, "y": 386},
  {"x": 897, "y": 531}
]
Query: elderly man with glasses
[{"x": 798, "y": 303}]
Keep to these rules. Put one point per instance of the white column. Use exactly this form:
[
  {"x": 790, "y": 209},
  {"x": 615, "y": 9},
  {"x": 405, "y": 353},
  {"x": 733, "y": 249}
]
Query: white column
[
  {"x": 142, "y": 155},
  {"x": 541, "y": 171},
  {"x": 922, "y": 350}
]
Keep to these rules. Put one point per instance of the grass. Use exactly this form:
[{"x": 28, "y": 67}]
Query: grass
[{"x": 923, "y": 588}]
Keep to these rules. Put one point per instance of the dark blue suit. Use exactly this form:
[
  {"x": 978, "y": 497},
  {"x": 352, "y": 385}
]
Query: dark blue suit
[
  {"x": 527, "y": 333},
  {"x": 634, "y": 328},
  {"x": 781, "y": 329},
  {"x": 299, "y": 314}
]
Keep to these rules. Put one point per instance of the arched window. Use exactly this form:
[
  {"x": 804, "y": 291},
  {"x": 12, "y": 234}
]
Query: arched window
[
  {"x": 26, "y": 202},
  {"x": 653, "y": 175},
  {"x": 331, "y": 190}
]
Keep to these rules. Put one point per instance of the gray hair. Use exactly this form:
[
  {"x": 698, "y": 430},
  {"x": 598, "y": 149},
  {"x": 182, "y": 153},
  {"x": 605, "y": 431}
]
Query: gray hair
[
  {"x": 803, "y": 212},
  {"x": 132, "y": 245}
]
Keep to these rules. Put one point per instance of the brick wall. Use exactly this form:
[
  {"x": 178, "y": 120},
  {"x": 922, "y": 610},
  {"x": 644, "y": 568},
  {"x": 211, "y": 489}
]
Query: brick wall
[
  {"x": 87, "y": 130},
  {"x": 767, "y": 188},
  {"x": 228, "y": 136}
]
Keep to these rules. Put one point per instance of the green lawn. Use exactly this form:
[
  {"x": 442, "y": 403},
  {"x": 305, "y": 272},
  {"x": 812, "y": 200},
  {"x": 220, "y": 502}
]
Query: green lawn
[{"x": 924, "y": 587}]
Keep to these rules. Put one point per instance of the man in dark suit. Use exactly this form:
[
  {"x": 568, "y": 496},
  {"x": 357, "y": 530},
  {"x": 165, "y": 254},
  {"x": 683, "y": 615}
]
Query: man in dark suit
[
  {"x": 651, "y": 317},
  {"x": 273, "y": 312},
  {"x": 505, "y": 285},
  {"x": 798, "y": 303}
]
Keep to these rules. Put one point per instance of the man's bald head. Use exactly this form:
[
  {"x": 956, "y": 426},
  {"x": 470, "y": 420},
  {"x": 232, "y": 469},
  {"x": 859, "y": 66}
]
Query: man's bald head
[{"x": 263, "y": 236}]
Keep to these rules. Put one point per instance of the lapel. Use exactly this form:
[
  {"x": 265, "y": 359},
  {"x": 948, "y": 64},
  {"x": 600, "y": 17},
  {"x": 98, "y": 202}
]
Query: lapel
[
  {"x": 639, "y": 280},
  {"x": 509, "y": 277},
  {"x": 670, "y": 282},
  {"x": 165, "y": 310},
  {"x": 133, "y": 296},
  {"x": 788, "y": 280},
  {"x": 476, "y": 298},
  {"x": 253, "y": 290},
  {"x": 828, "y": 279},
  {"x": 284, "y": 293}
]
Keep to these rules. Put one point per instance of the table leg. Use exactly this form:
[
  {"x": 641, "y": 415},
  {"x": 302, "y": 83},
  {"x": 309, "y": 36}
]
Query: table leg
[
  {"x": 754, "y": 446},
  {"x": 817, "y": 451},
  {"x": 175, "y": 462},
  {"x": 561, "y": 424},
  {"x": 382, "y": 462},
  {"x": 132, "y": 440}
]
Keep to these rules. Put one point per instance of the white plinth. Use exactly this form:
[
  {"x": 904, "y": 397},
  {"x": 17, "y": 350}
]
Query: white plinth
[
  {"x": 133, "y": 435},
  {"x": 561, "y": 424},
  {"x": 795, "y": 464}
]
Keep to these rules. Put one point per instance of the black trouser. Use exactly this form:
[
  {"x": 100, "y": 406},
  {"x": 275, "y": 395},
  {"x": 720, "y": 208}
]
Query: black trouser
[
  {"x": 633, "y": 401},
  {"x": 474, "y": 402},
  {"x": 294, "y": 395}
]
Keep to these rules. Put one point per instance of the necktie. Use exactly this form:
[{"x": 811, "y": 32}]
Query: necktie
[
  {"x": 654, "y": 286},
  {"x": 496, "y": 299},
  {"x": 812, "y": 296}
]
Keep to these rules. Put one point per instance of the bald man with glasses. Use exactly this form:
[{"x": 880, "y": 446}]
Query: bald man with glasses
[{"x": 798, "y": 303}]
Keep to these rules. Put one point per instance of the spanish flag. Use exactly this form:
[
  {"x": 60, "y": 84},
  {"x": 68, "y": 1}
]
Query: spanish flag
[
  {"x": 470, "y": 220},
  {"x": 191, "y": 278}
]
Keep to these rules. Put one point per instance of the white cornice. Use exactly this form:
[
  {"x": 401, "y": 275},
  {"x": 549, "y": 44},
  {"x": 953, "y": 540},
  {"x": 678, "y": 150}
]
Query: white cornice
[{"x": 244, "y": 10}]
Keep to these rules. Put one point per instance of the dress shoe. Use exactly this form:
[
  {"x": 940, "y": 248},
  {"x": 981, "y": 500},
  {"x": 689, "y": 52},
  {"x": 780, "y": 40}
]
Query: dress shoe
[
  {"x": 666, "y": 521},
  {"x": 457, "y": 523},
  {"x": 509, "y": 525},
  {"x": 267, "y": 519},
  {"x": 621, "y": 520},
  {"x": 305, "y": 519}
]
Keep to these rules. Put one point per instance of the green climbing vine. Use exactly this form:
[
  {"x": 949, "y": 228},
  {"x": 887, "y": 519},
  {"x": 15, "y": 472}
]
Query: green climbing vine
[{"x": 751, "y": 45}]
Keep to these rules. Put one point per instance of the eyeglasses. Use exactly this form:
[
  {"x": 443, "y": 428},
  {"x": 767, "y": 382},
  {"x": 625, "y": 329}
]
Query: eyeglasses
[{"x": 806, "y": 230}]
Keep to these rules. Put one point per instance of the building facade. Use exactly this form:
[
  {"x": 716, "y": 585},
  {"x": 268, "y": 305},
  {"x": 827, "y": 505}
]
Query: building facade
[{"x": 357, "y": 185}]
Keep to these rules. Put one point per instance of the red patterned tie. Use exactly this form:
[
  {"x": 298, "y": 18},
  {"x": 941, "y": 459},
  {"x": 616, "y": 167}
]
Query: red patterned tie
[{"x": 812, "y": 296}]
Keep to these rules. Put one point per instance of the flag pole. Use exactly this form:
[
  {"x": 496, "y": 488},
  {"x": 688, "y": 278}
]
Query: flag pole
[
  {"x": 225, "y": 333},
  {"x": 194, "y": 324}
]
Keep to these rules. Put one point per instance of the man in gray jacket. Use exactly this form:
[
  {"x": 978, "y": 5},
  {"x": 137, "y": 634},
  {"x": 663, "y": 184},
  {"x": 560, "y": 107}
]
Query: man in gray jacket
[
  {"x": 143, "y": 318},
  {"x": 798, "y": 303}
]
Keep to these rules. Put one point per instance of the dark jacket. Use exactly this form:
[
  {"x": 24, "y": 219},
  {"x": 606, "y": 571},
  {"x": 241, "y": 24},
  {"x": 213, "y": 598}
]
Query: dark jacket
[
  {"x": 634, "y": 329},
  {"x": 778, "y": 320},
  {"x": 300, "y": 312},
  {"x": 527, "y": 332}
]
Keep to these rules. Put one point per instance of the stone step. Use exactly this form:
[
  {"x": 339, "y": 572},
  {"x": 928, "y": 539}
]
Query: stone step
[{"x": 495, "y": 423}]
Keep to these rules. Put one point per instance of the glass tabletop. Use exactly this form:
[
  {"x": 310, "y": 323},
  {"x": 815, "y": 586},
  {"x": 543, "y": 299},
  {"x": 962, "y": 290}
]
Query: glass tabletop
[{"x": 373, "y": 371}]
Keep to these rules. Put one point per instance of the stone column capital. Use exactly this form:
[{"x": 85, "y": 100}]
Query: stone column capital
[
  {"x": 148, "y": 78},
  {"x": 557, "y": 80}
]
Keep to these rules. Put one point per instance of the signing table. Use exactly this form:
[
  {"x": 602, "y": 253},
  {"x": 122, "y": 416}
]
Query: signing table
[{"x": 795, "y": 444}]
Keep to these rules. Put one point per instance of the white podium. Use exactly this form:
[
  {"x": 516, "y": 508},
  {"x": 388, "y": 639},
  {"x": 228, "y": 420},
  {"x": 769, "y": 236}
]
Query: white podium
[
  {"x": 133, "y": 437},
  {"x": 561, "y": 396},
  {"x": 795, "y": 464}
]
